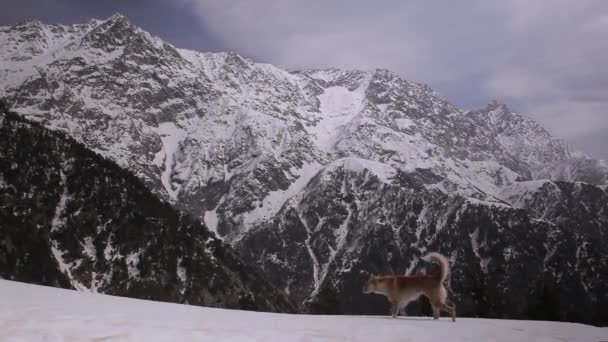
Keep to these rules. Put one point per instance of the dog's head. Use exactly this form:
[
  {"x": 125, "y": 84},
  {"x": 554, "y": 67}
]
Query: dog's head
[{"x": 372, "y": 284}]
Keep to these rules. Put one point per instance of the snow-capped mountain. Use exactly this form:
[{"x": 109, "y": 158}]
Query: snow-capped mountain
[
  {"x": 231, "y": 140},
  {"x": 314, "y": 173}
]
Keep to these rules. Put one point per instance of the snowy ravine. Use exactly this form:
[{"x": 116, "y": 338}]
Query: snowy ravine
[{"x": 38, "y": 313}]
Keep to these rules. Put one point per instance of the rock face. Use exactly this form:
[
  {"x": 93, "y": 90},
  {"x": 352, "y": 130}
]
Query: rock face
[
  {"x": 70, "y": 218},
  {"x": 317, "y": 175}
]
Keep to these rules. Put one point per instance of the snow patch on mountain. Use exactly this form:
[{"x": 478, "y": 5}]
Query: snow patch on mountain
[
  {"x": 171, "y": 136},
  {"x": 276, "y": 199},
  {"x": 520, "y": 193},
  {"x": 210, "y": 219},
  {"x": 404, "y": 123},
  {"x": 132, "y": 261},
  {"x": 338, "y": 106}
]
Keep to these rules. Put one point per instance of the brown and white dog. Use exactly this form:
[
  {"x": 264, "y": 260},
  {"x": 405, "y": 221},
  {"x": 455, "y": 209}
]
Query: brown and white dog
[{"x": 402, "y": 289}]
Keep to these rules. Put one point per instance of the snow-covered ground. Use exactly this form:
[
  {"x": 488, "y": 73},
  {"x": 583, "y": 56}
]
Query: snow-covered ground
[{"x": 38, "y": 313}]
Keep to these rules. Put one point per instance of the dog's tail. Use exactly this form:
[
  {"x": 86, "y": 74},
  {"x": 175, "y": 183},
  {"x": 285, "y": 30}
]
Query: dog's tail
[{"x": 442, "y": 261}]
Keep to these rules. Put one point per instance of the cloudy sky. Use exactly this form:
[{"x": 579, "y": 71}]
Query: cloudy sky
[{"x": 544, "y": 58}]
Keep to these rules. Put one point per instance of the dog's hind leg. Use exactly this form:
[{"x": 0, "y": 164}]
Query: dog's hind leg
[
  {"x": 444, "y": 304},
  {"x": 451, "y": 308},
  {"x": 435, "y": 312}
]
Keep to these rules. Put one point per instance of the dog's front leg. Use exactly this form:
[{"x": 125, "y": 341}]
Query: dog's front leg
[
  {"x": 435, "y": 312},
  {"x": 394, "y": 309}
]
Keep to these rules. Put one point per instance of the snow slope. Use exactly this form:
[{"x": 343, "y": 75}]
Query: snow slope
[{"x": 38, "y": 313}]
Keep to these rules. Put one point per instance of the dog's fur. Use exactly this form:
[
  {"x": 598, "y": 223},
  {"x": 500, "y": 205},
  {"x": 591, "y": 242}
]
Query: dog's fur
[{"x": 400, "y": 290}]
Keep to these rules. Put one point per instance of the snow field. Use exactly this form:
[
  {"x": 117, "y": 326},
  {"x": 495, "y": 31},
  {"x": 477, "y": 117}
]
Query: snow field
[{"x": 37, "y": 313}]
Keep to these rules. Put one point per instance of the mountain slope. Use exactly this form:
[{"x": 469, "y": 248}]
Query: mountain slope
[
  {"x": 70, "y": 218},
  {"x": 357, "y": 218}
]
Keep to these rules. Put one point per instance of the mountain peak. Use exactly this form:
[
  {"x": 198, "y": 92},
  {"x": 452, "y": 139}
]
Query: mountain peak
[
  {"x": 496, "y": 105},
  {"x": 33, "y": 22},
  {"x": 117, "y": 17}
]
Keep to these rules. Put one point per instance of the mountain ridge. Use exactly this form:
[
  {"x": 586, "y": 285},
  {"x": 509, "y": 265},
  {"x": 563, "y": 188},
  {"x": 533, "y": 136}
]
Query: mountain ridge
[{"x": 72, "y": 219}]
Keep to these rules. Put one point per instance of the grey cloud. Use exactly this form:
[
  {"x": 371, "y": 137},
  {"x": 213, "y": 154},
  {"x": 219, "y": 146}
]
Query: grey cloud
[{"x": 546, "y": 57}]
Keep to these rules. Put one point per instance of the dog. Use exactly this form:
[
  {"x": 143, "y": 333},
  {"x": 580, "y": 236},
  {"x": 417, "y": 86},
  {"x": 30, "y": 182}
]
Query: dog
[{"x": 400, "y": 290}]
